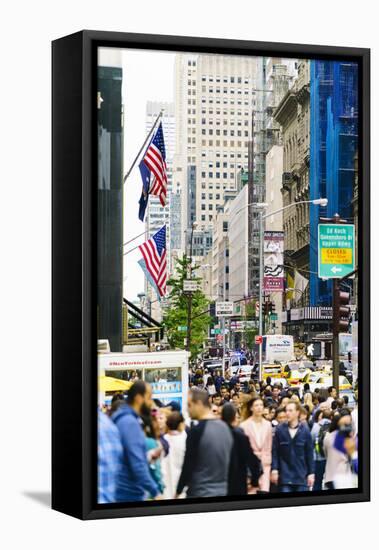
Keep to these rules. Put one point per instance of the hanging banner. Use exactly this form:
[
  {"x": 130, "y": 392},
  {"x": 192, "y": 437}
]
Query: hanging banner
[{"x": 273, "y": 246}]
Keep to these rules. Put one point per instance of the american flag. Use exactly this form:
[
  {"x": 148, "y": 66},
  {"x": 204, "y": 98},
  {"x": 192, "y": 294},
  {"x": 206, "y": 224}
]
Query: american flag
[
  {"x": 155, "y": 160},
  {"x": 154, "y": 254}
]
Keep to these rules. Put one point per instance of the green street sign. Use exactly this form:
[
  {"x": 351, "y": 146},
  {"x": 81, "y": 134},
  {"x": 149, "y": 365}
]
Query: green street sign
[
  {"x": 274, "y": 316},
  {"x": 336, "y": 250},
  {"x": 182, "y": 328}
]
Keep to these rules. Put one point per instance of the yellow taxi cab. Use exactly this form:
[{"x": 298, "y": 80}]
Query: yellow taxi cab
[
  {"x": 295, "y": 372},
  {"x": 320, "y": 380},
  {"x": 271, "y": 370}
]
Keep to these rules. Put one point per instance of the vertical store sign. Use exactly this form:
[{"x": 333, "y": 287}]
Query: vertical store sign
[{"x": 273, "y": 245}]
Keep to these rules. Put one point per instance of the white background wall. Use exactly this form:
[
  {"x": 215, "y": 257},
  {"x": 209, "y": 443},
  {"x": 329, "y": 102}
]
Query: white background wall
[{"x": 27, "y": 29}]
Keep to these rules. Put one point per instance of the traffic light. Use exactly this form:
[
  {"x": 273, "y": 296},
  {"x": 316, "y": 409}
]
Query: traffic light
[
  {"x": 341, "y": 310},
  {"x": 271, "y": 307},
  {"x": 212, "y": 309}
]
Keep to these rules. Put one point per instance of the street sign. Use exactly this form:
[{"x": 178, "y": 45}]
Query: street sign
[
  {"x": 259, "y": 339},
  {"x": 190, "y": 285},
  {"x": 336, "y": 250},
  {"x": 273, "y": 316},
  {"x": 243, "y": 325},
  {"x": 224, "y": 309},
  {"x": 182, "y": 328}
]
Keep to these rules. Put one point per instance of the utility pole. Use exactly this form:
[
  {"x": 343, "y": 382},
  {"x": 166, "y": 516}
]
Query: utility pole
[
  {"x": 261, "y": 293},
  {"x": 339, "y": 301},
  {"x": 336, "y": 330},
  {"x": 189, "y": 312}
]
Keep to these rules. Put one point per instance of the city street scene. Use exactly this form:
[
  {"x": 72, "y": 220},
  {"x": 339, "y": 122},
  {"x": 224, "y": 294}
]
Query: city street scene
[{"x": 227, "y": 299}]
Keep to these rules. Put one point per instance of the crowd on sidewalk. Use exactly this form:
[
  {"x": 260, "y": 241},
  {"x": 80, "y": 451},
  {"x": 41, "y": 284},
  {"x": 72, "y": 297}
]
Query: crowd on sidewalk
[{"x": 237, "y": 439}]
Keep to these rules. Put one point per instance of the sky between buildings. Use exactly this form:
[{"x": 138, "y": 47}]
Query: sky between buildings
[{"x": 147, "y": 75}]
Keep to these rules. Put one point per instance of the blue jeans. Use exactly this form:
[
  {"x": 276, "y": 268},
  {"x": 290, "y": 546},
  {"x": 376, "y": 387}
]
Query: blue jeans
[{"x": 293, "y": 488}]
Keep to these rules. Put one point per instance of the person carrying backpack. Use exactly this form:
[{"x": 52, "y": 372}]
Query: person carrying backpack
[{"x": 318, "y": 432}]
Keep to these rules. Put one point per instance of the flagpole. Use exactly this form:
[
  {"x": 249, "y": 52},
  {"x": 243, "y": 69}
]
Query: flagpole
[
  {"x": 134, "y": 238},
  {"x": 131, "y": 250},
  {"x": 144, "y": 145}
]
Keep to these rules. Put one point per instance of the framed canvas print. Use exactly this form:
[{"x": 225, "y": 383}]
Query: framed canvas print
[{"x": 211, "y": 289}]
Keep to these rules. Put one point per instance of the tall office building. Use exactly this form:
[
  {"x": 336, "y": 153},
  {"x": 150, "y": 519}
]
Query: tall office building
[
  {"x": 333, "y": 151},
  {"x": 274, "y": 222},
  {"x": 274, "y": 78},
  {"x": 238, "y": 246},
  {"x": 156, "y": 215},
  {"x": 214, "y": 101},
  {"x": 110, "y": 197}
]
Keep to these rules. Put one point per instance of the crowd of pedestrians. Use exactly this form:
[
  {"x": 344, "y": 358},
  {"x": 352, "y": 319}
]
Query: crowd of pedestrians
[{"x": 237, "y": 439}]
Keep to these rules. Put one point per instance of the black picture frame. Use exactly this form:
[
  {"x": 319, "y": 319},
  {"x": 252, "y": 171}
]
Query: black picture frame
[{"x": 74, "y": 358}]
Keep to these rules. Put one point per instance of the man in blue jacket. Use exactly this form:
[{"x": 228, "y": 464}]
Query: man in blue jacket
[
  {"x": 135, "y": 482},
  {"x": 292, "y": 454}
]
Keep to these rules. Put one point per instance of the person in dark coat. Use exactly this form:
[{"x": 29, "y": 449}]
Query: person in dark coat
[
  {"x": 292, "y": 453},
  {"x": 243, "y": 461}
]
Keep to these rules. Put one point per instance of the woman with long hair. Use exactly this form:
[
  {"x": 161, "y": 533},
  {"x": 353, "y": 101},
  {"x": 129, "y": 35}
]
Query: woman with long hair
[
  {"x": 259, "y": 432},
  {"x": 308, "y": 400},
  {"x": 210, "y": 385}
]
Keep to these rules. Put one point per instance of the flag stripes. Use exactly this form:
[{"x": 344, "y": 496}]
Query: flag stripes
[
  {"x": 155, "y": 160},
  {"x": 155, "y": 256}
]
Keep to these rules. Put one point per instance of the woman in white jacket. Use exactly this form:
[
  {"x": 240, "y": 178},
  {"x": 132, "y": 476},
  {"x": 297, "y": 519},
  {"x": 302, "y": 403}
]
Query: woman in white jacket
[{"x": 172, "y": 463}]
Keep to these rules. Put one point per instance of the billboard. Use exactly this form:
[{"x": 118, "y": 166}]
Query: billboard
[{"x": 273, "y": 245}]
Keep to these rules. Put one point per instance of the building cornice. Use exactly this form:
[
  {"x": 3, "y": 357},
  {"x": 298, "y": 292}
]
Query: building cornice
[{"x": 287, "y": 108}]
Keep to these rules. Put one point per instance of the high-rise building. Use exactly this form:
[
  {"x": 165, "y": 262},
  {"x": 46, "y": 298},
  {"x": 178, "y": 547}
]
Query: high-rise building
[
  {"x": 220, "y": 257},
  {"x": 238, "y": 246},
  {"x": 214, "y": 101},
  {"x": 110, "y": 197},
  {"x": 274, "y": 78},
  {"x": 274, "y": 200},
  {"x": 334, "y": 144},
  {"x": 293, "y": 115}
]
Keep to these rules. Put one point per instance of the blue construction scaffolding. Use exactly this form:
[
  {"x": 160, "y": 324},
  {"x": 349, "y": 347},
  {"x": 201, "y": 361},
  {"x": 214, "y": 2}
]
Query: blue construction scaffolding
[{"x": 333, "y": 146}]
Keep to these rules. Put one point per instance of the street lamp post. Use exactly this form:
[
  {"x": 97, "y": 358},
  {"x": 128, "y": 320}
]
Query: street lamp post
[
  {"x": 261, "y": 207},
  {"x": 189, "y": 312},
  {"x": 260, "y": 290}
]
